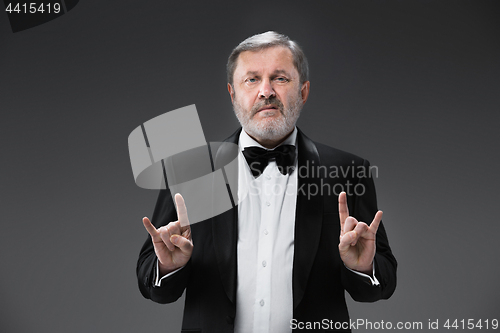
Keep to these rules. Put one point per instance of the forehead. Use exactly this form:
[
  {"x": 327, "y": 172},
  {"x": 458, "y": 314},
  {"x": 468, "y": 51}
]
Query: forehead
[{"x": 268, "y": 60}]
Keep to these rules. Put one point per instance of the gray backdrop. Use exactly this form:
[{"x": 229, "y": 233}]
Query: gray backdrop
[{"x": 411, "y": 86}]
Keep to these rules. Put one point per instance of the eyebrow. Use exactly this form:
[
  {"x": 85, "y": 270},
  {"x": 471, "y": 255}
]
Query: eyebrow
[
  {"x": 276, "y": 72},
  {"x": 281, "y": 71}
]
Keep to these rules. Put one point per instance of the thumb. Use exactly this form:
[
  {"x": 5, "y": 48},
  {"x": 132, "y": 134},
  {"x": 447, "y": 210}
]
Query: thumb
[
  {"x": 347, "y": 241},
  {"x": 185, "y": 245}
]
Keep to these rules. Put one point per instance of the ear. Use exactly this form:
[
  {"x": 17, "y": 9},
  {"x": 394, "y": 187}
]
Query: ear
[
  {"x": 231, "y": 91},
  {"x": 304, "y": 91}
]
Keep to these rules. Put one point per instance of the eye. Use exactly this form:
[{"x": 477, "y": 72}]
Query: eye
[
  {"x": 281, "y": 79},
  {"x": 251, "y": 80}
]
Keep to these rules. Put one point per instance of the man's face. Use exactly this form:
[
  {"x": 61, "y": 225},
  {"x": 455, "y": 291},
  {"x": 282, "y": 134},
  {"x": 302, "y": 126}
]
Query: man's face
[{"x": 267, "y": 95}]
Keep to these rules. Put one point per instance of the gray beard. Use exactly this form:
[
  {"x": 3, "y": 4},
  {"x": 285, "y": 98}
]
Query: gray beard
[{"x": 274, "y": 129}]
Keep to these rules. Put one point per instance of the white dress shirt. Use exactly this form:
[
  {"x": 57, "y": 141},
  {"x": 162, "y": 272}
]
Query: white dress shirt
[{"x": 266, "y": 224}]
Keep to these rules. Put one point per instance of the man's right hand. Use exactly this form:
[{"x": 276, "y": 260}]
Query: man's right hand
[{"x": 172, "y": 243}]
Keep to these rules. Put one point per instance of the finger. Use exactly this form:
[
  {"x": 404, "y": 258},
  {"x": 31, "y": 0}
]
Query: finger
[
  {"x": 174, "y": 228},
  {"x": 165, "y": 237},
  {"x": 343, "y": 210},
  {"x": 185, "y": 245},
  {"x": 376, "y": 222},
  {"x": 360, "y": 230},
  {"x": 347, "y": 240},
  {"x": 349, "y": 224},
  {"x": 181, "y": 210},
  {"x": 153, "y": 232}
]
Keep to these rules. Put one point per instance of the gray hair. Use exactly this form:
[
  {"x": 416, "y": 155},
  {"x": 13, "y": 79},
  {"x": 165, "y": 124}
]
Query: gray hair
[{"x": 266, "y": 40}]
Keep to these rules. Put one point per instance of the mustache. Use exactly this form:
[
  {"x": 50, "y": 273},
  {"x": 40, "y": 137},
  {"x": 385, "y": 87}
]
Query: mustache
[{"x": 272, "y": 101}]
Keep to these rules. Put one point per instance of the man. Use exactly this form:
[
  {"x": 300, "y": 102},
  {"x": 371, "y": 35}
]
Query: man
[{"x": 283, "y": 257}]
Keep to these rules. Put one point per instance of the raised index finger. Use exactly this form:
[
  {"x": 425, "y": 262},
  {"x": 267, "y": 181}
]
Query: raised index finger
[
  {"x": 343, "y": 210},
  {"x": 181, "y": 210}
]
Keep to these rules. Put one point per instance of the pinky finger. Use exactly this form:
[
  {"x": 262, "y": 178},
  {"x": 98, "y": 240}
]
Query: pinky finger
[
  {"x": 150, "y": 228},
  {"x": 376, "y": 221}
]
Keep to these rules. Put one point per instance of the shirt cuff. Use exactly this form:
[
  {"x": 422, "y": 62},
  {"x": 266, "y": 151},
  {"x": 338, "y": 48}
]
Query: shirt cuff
[
  {"x": 157, "y": 282},
  {"x": 372, "y": 279}
]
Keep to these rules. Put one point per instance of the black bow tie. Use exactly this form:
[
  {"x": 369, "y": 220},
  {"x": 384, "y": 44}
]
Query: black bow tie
[{"x": 258, "y": 158}]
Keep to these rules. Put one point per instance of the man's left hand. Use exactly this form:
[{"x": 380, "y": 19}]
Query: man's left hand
[{"x": 357, "y": 240}]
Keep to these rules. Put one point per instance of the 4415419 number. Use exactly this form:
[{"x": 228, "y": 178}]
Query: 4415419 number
[
  {"x": 471, "y": 324},
  {"x": 33, "y": 7}
]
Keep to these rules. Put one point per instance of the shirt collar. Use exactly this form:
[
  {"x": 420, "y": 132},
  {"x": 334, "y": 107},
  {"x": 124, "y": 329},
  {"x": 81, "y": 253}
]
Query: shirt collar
[{"x": 246, "y": 141}]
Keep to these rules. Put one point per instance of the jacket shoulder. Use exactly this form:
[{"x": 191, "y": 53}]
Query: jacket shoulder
[{"x": 332, "y": 156}]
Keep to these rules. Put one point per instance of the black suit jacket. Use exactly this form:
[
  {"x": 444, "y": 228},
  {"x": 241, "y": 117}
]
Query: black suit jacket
[{"x": 319, "y": 276}]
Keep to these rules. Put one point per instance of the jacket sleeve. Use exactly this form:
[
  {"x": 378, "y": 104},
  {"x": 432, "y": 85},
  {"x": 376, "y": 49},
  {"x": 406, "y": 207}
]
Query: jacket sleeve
[
  {"x": 364, "y": 208},
  {"x": 173, "y": 286}
]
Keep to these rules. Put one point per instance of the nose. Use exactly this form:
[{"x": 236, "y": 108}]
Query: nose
[{"x": 266, "y": 90}]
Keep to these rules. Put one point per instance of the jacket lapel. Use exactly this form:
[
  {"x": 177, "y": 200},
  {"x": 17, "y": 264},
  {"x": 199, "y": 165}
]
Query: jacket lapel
[
  {"x": 225, "y": 229},
  {"x": 308, "y": 216}
]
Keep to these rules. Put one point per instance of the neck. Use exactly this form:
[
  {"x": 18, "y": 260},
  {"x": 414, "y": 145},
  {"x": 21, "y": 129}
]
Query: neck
[{"x": 270, "y": 144}]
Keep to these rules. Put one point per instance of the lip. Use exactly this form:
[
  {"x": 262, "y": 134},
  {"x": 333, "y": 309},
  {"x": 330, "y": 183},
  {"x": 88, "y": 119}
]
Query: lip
[{"x": 268, "y": 108}]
